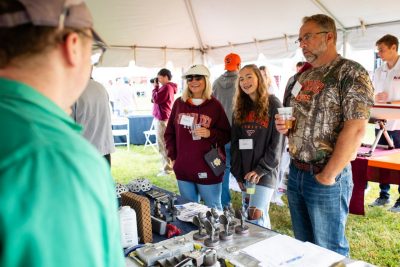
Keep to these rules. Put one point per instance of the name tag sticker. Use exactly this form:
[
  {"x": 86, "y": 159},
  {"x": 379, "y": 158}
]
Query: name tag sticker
[
  {"x": 186, "y": 120},
  {"x": 296, "y": 89},
  {"x": 245, "y": 144},
  {"x": 202, "y": 175}
]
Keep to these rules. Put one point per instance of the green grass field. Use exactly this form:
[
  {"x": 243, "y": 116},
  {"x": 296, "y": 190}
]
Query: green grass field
[{"x": 374, "y": 238}]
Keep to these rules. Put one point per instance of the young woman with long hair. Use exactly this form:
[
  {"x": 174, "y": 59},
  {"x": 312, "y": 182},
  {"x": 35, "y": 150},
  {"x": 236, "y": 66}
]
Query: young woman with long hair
[{"x": 256, "y": 146}]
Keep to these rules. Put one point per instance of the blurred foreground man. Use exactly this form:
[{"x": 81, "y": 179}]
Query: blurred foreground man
[
  {"x": 57, "y": 198},
  {"x": 331, "y": 105}
]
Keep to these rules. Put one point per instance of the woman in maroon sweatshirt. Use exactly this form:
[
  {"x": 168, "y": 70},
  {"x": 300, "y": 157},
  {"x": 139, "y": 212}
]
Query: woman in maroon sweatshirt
[{"x": 197, "y": 122}]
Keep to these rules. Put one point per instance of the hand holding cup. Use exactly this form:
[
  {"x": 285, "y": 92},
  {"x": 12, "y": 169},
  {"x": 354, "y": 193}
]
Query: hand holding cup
[{"x": 284, "y": 120}]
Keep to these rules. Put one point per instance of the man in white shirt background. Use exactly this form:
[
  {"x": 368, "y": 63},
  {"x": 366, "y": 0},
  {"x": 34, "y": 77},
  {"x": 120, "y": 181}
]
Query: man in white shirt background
[{"x": 387, "y": 90}]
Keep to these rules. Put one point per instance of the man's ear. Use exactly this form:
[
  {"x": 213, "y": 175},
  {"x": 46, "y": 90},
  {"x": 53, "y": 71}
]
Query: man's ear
[
  {"x": 72, "y": 48},
  {"x": 330, "y": 36}
]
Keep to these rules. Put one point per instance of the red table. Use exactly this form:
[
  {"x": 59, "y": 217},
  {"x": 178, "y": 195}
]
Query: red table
[{"x": 383, "y": 166}]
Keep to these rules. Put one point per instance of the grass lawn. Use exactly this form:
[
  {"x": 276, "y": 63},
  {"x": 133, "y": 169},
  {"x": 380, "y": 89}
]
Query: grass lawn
[{"x": 374, "y": 238}]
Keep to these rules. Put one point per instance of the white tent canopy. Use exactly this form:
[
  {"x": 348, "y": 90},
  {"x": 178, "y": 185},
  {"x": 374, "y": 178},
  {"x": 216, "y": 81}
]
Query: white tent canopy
[{"x": 186, "y": 32}]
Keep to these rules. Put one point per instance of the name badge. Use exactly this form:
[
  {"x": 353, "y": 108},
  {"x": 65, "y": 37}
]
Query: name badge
[
  {"x": 296, "y": 89},
  {"x": 202, "y": 175},
  {"x": 186, "y": 120},
  {"x": 245, "y": 144}
]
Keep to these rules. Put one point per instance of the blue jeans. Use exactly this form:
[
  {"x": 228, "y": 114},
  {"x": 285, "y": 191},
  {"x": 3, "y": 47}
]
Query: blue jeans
[
  {"x": 395, "y": 136},
  {"x": 261, "y": 200},
  {"x": 210, "y": 194},
  {"x": 319, "y": 212},
  {"x": 226, "y": 194}
]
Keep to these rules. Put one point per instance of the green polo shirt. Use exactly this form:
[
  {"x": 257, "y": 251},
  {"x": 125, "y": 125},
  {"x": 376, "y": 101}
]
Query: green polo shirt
[{"x": 57, "y": 199}]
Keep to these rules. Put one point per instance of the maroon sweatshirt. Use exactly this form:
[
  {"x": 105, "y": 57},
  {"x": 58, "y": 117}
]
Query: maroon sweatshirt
[
  {"x": 163, "y": 97},
  {"x": 188, "y": 153}
]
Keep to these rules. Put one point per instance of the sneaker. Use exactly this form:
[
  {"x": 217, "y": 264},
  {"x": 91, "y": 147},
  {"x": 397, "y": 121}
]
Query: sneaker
[
  {"x": 380, "y": 202},
  {"x": 396, "y": 207}
]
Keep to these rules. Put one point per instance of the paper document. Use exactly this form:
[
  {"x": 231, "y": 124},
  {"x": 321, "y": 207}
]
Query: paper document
[
  {"x": 317, "y": 256},
  {"x": 276, "y": 251},
  {"x": 282, "y": 250},
  {"x": 189, "y": 210}
]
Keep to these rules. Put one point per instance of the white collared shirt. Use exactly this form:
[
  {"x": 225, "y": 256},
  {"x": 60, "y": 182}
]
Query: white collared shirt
[{"x": 388, "y": 80}]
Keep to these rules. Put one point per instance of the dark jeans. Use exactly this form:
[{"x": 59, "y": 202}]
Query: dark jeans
[{"x": 395, "y": 136}]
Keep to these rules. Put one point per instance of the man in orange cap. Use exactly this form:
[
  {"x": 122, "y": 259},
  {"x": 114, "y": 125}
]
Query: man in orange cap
[{"x": 223, "y": 90}]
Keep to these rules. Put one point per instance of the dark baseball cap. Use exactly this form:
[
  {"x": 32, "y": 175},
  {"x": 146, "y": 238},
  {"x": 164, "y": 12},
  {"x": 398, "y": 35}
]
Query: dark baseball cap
[{"x": 53, "y": 13}]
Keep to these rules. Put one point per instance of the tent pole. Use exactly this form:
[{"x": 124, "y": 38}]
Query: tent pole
[
  {"x": 165, "y": 56},
  {"x": 195, "y": 26},
  {"x": 344, "y": 38},
  {"x": 325, "y": 10}
]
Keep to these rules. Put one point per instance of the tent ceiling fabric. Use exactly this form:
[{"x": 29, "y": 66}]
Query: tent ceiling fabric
[{"x": 186, "y": 32}]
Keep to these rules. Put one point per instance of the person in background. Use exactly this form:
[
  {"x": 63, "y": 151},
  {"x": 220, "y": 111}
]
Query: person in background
[
  {"x": 162, "y": 98},
  {"x": 58, "y": 204},
  {"x": 270, "y": 82},
  {"x": 92, "y": 112},
  {"x": 387, "y": 89},
  {"x": 110, "y": 87},
  {"x": 301, "y": 66},
  {"x": 197, "y": 122},
  {"x": 285, "y": 160},
  {"x": 331, "y": 105},
  {"x": 223, "y": 90},
  {"x": 256, "y": 144},
  {"x": 125, "y": 97}
]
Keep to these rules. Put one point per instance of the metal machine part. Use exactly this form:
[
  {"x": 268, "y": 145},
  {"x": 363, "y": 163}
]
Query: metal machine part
[
  {"x": 152, "y": 253},
  {"x": 198, "y": 220}
]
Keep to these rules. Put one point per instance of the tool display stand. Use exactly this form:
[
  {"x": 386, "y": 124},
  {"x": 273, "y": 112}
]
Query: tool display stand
[{"x": 382, "y": 130}]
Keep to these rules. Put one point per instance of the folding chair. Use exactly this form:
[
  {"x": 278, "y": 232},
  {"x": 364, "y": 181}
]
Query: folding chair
[
  {"x": 120, "y": 127},
  {"x": 148, "y": 134}
]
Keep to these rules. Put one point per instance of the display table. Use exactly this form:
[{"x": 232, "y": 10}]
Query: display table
[
  {"x": 243, "y": 250},
  {"x": 137, "y": 125},
  {"x": 383, "y": 167}
]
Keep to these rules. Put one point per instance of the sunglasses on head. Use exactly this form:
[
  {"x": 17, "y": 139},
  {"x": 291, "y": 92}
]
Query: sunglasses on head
[{"x": 190, "y": 78}]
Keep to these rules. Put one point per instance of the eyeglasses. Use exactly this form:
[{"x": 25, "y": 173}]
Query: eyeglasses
[
  {"x": 190, "y": 78},
  {"x": 97, "y": 46},
  {"x": 307, "y": 37}
]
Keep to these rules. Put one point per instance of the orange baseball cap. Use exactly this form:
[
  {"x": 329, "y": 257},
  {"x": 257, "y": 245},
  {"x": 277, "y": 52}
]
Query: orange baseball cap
[{"x": 232, "y": 62}]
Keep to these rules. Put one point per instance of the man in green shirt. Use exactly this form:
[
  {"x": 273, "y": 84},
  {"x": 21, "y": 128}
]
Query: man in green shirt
[{"x": 57, "y": 198}]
